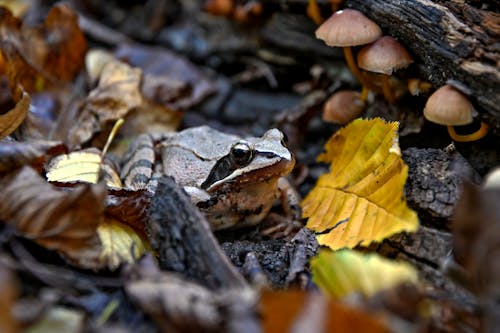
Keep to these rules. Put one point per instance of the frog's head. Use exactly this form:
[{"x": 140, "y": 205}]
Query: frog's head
[{"x": 252, "y": 160}]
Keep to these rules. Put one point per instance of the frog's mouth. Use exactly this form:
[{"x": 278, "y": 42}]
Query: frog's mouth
[{"x": 254, "y": 173}]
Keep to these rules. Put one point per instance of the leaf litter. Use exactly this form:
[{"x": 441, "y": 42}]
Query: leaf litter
[{"x": 98, "y": 223}]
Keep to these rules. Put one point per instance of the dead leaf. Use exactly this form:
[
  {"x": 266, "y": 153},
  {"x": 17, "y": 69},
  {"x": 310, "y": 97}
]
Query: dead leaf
[
  {"x": 117, "y": 93},
  {"x": 35, "y": 57},
  {"x": 128, "y": 206},
  {"x": 361, "y": 199},
  {"x": 14, "y": 154},
  {"x": 340, "y": 273},
  {"x": 61, "y": 220},
  {"x": 297, "y": 311},
  {"x": 8, "y": 296},
  {"x": 82, "y": 166},
  {"x": 177, "y": 305},
  {"x": 11, "y": 120},
  {"x": 178, "y": 84},
  {"x": 17, "y": 7},
  {"x": 58, "y": 45},
  {"x": 120, "y": 244}
]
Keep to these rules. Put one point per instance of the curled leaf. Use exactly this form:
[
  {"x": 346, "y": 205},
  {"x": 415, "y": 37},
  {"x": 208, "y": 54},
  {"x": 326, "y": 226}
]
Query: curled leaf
[
  {"x": 11, "y": 120},
  {"x": 341, "y": 273},
  {"x": 65, "y": 221},
  {"x": 361, "y": 199}
]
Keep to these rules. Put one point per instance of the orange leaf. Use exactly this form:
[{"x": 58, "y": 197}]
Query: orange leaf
[
  {"x": 11, "y": 120},
  {"x": 287, "y": 311}
]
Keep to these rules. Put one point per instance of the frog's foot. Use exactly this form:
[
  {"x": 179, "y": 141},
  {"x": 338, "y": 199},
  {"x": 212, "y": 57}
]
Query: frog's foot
[{"x": 278, "y": 226}]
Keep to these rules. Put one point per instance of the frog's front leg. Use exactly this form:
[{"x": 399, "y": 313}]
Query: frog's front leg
[{"x": 290, "y": 202}]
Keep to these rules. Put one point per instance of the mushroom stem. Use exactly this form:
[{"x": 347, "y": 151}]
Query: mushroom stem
[
  {"x": 355, "y": 70},
  {"x": 480, "y": 133},
  {"x": 364, "y": 94},
  {"x": 314, "y": 13},
  {"x": 387, "y": 90},
  {"x": 335, "y": 4}
]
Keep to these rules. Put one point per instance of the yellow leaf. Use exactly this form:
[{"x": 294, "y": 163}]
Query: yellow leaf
[
  {"x": 361, "y": 199},
  {"x": 343, "y": 272},
  {"x": 81, "y": 166},
  {"x": 120, "y": 244}
]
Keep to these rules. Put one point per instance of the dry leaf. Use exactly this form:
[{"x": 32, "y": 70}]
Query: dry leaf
[
  {"x": 14, "y": 154},
  {"x": 120, "y": 244},
  {"x": 118, "y": 93},
  {"x": 177, "y": 305},
  {"x": 178, "y": 84},
  {"x": 61, "y": 220},
  {"x": 50, "y": 52},
  {"x": 8, "y": 296},
  {"x": 11, "y": 120},
  {"x": 128, "y": 206},
  {"x": 361, "y": 199},
  {"x": 81, "y": 166},
  {"x": 296, "y": 311},
  {"x": 340, "y": 273}
]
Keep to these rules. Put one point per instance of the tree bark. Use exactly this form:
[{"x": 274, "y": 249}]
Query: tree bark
[{"x": 455, "y": 43}]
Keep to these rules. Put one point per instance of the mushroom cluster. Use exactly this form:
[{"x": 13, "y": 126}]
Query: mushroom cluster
[{"x": 384, "y": 55}]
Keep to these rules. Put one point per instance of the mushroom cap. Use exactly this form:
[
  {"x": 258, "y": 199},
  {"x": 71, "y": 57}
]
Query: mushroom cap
[
  {"x": 448, "y": 106},
  {"x": 348, "y": 27},
  {"x": 384, "y": 56},
  {"x": 343, "y": 107}
]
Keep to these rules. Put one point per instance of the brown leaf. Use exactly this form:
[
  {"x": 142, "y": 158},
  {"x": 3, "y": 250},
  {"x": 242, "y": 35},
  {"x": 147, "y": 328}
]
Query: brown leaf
[
  {"x": 295, "y": 311},
  {"x": 13, "y": 118},
  {"x": 170, "y": 80},
  {"x": 128, "y": 206},
  {"x": 118, "y": 92},
  {"x": 14, "y": 154},
  {"x": 50, "y": 52},
  {"x": 65, "y": 221},
  {"x": 177, "y": 305},
  {"x": 8, "y": 295},
  {"x": 58, "y": 45}
]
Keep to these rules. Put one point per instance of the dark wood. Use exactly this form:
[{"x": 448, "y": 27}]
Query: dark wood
[
  {"x": 180, "y": 234},
  {"x": 454, "y": 41}
]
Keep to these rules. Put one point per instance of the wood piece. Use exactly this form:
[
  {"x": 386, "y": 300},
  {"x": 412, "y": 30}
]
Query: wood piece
[
  {"x": 453, "y": 40},
  {"x": 181, "y": 235}
]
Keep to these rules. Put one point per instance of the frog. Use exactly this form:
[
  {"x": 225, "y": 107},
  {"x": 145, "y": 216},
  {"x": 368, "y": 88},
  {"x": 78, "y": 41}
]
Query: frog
[{"x": 234, "y": 181}]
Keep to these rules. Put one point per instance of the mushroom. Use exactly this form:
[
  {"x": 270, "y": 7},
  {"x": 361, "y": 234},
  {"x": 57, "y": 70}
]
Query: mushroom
[
  {"x": 447, "y": 106},
  {"x": 343, "y": 107},
  {"x": 384, "y": 56},
  {"x": 346, "y": 28}
]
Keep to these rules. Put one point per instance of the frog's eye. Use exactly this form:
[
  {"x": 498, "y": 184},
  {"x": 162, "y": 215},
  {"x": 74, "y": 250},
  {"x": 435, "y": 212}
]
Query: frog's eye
[{"x": 241, "y": 153}]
